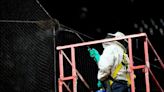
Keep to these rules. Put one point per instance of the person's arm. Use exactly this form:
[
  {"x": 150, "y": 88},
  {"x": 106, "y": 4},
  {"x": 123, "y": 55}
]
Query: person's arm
[
  {"x": 96, "y": 56},
  {"x": 105, "y": 63}
]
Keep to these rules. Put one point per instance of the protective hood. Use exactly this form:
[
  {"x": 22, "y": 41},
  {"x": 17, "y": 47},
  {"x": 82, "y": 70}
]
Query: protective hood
[{"x": 110, "y": 35}]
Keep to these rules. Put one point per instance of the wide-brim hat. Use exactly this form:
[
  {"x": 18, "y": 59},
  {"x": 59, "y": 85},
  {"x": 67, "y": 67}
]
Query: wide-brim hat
[{"x": 117, "y": 35}]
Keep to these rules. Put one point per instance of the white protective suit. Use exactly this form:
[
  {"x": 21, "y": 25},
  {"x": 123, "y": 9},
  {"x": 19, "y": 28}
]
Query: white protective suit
[{"x": 110, "y": 58}]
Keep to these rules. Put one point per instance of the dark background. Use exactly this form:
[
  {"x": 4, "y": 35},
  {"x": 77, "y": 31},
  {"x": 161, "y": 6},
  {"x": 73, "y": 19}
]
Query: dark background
[
  {"x": 103, "y": 16},
  {"x": 96, "y": 18},
  {"x": 27, "y": 57}
]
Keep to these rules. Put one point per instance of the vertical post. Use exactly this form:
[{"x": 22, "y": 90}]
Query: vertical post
[
  {"x": 60, "y": 85},
  {"x": 147, "y": 65},
  {"x": 131, "y": 65},
  {"x": 73, "y": 69},
  {"x": 54, "y": 52},
  {"x": 61, "y": 71}
]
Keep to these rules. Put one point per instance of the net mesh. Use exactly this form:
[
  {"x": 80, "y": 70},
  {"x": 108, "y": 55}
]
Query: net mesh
[
  {"x": 26, "y": 58},
  {"x": 27, "y": 55}
]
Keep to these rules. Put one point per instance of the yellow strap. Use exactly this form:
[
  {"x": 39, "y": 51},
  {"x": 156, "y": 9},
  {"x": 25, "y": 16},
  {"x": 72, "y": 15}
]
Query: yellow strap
[
  {"x": 114, "y": 75},
  {"x": 118, "y": 68},
  {"x": 128, "y": 78}
]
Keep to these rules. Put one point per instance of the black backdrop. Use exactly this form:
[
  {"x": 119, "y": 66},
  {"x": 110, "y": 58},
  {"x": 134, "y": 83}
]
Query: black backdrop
[{"x": 27, "y": 49}]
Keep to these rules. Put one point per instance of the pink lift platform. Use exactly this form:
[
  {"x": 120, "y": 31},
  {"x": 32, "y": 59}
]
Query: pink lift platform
[{"x": 76, "y": 74}]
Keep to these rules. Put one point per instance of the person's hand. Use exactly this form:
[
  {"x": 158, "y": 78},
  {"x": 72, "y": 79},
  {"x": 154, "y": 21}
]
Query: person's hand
[
  {"x": 99, "y": 84},
  {"x": 94, "y": 54}
]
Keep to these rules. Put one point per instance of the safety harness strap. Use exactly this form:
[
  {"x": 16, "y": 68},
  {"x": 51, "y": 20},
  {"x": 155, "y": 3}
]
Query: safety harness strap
[{"x": 118, "y": 68}]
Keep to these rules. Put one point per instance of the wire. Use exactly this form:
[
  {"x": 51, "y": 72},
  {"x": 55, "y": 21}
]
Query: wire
[
  {"x": 44, "y": 9},
  {"x": 61, "y": 25},
  {"x": 74, "y": 31},
  {"x": 19, "y": 21}
]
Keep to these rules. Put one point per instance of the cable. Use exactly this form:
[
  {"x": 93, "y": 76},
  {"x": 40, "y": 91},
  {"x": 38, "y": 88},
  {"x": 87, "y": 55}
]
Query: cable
[
  {"x": 65, "y": 28},
  {"x": 69, "y": 29},
  {"x": 18, "y": 21},
  {"x": 44, "y": 10}
]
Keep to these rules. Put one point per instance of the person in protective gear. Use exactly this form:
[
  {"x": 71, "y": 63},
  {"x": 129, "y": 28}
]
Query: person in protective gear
[{"x": 113, "y": 65}]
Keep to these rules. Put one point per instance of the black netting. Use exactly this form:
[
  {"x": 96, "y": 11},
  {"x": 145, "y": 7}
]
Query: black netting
[
  {"x": 27, "y": 47},
  {"x": 26, "y": 58},
  {"x": 21, "y": 10}
]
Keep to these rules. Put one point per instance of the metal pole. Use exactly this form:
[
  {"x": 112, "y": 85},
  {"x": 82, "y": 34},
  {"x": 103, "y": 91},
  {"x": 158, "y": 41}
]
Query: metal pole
[
  {"x": 54, "y": 52},
  {"x": 147, "y": 65},
  {"x": 74, "y": 69},
  {"x": 155, "y": 52},
  {"x": 100, "y": 41},
  {"x": 61, "y": 71},
  {"x": 131, "y": 65}
]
